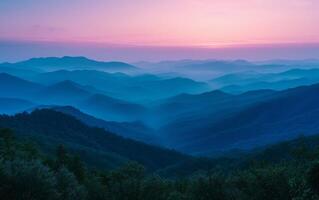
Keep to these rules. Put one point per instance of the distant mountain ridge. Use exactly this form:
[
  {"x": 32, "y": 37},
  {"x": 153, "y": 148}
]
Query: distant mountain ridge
[
  {"x": 131, "y": 88},
  {"x": 70, "y": 63},
  {"x": 68, "y": 92},
  {"x": 247, "y": 81}
]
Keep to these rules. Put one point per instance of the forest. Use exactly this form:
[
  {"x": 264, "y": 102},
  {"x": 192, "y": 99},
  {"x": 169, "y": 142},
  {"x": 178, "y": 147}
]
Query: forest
[{"x": 26, "y": 172}]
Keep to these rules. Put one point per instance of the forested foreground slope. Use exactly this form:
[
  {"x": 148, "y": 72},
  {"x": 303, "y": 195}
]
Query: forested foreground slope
[
  {"x": 31, "y": 169},
  {"x": 97, "y": 146}
]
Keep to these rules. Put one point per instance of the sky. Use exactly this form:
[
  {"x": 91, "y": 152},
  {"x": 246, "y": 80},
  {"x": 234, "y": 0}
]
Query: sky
[{"x": 157, "y": 29}]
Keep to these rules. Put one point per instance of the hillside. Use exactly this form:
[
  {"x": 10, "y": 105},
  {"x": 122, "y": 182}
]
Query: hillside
[
  {"x": 280, "y": 116},
  {"x": 134, "y": 130},
  {"x": 287, "y": 169},
  {"x": 96, "y": 146},
  {"x": 205, "y": 107},
  {"x": 14, "y": 87},
  {"x": 111, "y": 109},
  {"x": 62, "y": 93},
  {"x": 67, "y": 92}
]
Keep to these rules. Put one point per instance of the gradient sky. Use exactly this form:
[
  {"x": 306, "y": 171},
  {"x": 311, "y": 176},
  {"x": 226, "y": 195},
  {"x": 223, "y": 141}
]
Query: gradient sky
[{"x": 207, "y": 24}]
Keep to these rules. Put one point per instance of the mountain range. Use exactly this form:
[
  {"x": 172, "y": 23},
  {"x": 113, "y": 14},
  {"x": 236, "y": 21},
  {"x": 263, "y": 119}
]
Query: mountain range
[
  {"x": 248, "y": 109},
  {"x": 139, "y": 88}
]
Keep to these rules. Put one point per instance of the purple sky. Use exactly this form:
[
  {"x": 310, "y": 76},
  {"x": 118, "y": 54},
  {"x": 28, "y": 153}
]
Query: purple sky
[{"x": 157, "y": 30}]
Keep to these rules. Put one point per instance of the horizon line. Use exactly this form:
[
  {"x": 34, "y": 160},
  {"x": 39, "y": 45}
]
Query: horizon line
[{"x": 228, "y": 45}]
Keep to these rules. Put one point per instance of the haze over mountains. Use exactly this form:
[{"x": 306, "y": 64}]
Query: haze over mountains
[
  {"x": 248, "y": 105},
  {"x": 209, "y": 69},
  {"x": 241, "y": 82}
]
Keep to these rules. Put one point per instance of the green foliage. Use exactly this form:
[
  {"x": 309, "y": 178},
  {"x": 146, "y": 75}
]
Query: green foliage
[
  {"x": 72, "y": 163},
  {"x": 313, "y": 178},
  {"x": 7, "y": 140},
  {"x": 210, "y": 186},
  {"x": 28, "y": 174},
  {"x": 265, "y": 183},
  {"x": 68, "y": 186},
  {"x": 22, "y": 179}
]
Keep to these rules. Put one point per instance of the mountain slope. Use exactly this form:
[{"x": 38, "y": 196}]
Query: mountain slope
[
  {"x": 14, "y": 87},
  {"x": 16, "y": 71},
  {"x": 96, "y": 146},
  {"x": 68, "y": 92},
  {"x": 285, "y": 115},
  {"x": 62, "y": 93},
  {"x": 111, "y": 109},
  {"x": 133, "y": 130},
  {"x": 205, "y": 107}
]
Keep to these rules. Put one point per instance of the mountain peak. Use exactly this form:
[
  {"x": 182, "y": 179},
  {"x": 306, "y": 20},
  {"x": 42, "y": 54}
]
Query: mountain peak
[{"x": 42, "y": 59}]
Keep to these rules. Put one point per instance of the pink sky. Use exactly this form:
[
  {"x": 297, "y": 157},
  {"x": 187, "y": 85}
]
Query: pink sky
[
  {"x": 159, "y": 29},
  {"x": 162, "y": 22}
]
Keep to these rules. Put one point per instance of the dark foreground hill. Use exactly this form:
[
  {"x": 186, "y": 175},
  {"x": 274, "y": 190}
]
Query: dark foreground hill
[
  {"x": 28, "y": 173},
  {"x": 134, "y": 130},
  {"x": 97, "y": 146}
]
